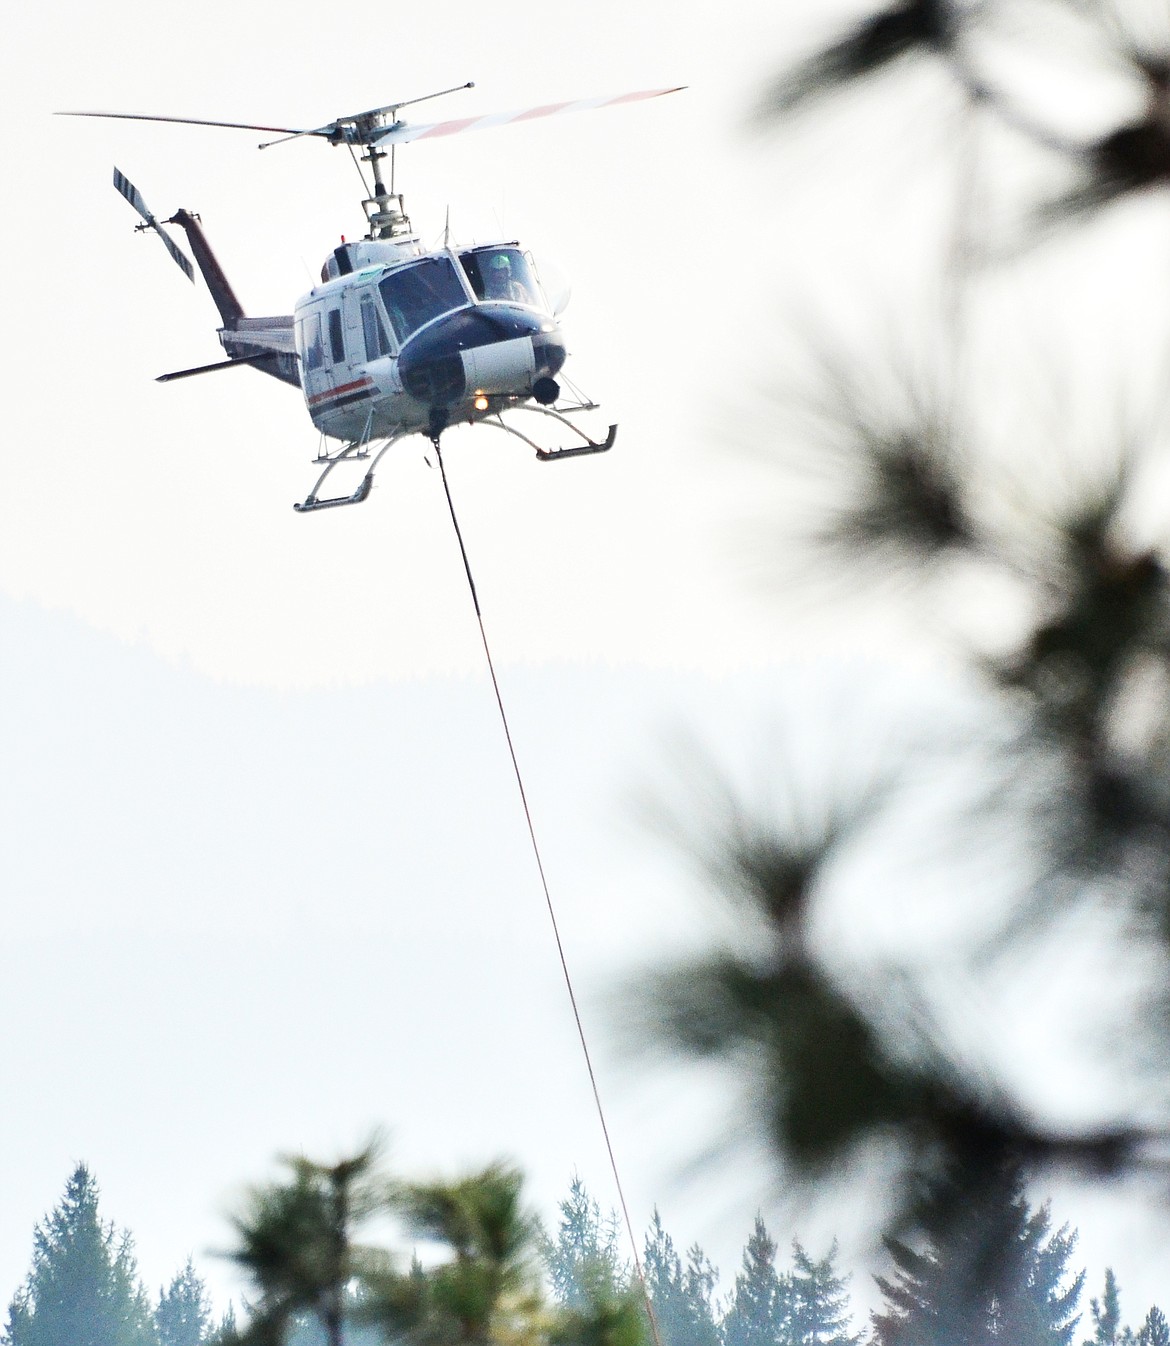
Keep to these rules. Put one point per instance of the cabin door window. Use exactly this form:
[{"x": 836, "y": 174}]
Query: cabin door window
[
  {"x": 336, "y": 337},
  {"x": 373, "y": 329}
]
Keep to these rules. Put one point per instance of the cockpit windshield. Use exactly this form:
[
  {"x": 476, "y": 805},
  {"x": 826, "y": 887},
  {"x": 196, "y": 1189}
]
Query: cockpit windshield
[
  {"x": 502, "y": 274},
  {"x": 416, "y": 294}
]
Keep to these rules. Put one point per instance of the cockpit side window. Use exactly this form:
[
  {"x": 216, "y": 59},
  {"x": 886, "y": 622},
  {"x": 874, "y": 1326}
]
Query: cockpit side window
[
  {"x": 417, "y": 294},
  {"x": 502, "y": 275}
]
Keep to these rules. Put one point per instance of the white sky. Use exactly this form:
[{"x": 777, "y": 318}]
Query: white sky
[{"x": 269, "y": 880}]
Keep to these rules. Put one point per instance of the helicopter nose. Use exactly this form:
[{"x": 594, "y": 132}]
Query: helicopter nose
[{"x": 493, "y": 348}]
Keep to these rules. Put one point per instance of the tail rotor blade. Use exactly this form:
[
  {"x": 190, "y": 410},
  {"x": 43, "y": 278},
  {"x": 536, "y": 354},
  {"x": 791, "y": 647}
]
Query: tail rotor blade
[
  {"x": 181, "y": 258},
  {"x": 127, "y": 189}
]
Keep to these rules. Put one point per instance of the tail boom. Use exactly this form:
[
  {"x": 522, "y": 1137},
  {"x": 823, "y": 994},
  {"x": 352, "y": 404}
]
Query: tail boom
[{"x": 265, "y": 343}]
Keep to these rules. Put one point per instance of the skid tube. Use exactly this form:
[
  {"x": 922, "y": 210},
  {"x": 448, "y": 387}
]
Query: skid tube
[
  {"x": 351, "y": 453},
  {"x": 548, "y": 455},
  {"x": 359, "y": 449}
]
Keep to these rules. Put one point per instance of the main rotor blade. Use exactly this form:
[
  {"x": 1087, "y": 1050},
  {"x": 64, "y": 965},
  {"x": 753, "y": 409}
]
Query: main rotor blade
[
  {"x": 189, "y": 121},
  {"x": 399, "y": 133},
  {"x": 332, "y": 131},
  {"x": 402, "y": 134}
]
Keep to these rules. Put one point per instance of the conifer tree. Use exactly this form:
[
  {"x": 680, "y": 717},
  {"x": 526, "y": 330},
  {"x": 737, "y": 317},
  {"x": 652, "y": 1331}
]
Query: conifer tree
[
  {"x": 992, "y": 1271},
  {"x": 83, "y": 1287},
  {"x": 183, "y": 1316},
  {"x": 680, "y": 1296},
  {"x": 758, "y": 1312},
  {"x": 586, "y": 1252},
  {"x": 320, "y": 1285},
  {"x": 818, "y": 1301},
  {"x": 1155, "y": 1331},
  {"x": 1106, "y": 1313},
  {"x": 227, "y": 1330},
  {"x": 296, "y": 1241},
  {"x": 1034, "y": 1304},
  {"x": 699, "y": 1280}
]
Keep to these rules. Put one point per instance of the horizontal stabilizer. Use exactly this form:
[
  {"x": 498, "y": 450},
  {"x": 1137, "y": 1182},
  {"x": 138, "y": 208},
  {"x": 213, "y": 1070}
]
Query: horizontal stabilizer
[{"x": 206, "y": 369}]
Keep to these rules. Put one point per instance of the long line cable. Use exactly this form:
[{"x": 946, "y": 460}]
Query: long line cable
[{"x": 552, "y": 915}]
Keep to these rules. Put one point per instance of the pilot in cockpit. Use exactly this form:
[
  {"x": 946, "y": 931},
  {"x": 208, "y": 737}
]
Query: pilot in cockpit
[{"x": 500, "y": 283}]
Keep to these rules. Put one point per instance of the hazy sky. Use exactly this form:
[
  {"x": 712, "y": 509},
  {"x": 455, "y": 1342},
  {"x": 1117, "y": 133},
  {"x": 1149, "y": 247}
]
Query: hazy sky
[{"x": 268, "y": 878}]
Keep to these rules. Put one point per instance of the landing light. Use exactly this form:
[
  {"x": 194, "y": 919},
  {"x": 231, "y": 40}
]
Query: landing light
[{"x": 481, "y": 403}]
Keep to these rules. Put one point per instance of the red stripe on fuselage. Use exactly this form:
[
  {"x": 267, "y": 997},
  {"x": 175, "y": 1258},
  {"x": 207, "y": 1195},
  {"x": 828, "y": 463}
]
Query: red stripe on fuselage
[{"x": 342, "y": 388}]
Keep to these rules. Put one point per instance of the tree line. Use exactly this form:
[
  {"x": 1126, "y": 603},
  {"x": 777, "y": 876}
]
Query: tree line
[{"x": 502, "y": 1279}]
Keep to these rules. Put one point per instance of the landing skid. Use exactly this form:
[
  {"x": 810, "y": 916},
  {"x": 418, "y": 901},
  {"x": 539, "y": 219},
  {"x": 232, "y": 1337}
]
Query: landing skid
[
  {"x": 586, "y": 445},
  {"x": 352, "y": 452},
  {"x": 359, "y": 449}
]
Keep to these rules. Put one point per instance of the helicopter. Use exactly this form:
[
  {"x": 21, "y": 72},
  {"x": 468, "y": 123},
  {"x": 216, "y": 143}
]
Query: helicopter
[{"x": 398, "y": 339}]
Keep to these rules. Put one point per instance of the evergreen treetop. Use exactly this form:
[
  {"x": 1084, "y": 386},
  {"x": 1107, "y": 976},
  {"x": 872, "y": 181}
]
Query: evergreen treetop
[
  {"x": 585, "y": 1254},
  {"x": 1155, "y": 1331},
  {"x": 183, "y": 1316},
  {"x": 993, "y": 1271},
  {"x": 819, "y": 1301},
  {"x": 1106, "y": 1313},
  {"x": 758, "y": 1312},
  {"x": 83, "y": 1287},
  {"x": 681, "y": 1296}
]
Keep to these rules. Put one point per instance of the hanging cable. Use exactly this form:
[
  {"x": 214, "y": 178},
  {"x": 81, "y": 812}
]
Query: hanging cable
[{"x": 548, "y": 900}]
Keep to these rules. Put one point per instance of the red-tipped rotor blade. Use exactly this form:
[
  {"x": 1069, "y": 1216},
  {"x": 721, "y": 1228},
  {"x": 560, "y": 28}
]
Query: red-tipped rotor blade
[{"x": 402, "y": 134}]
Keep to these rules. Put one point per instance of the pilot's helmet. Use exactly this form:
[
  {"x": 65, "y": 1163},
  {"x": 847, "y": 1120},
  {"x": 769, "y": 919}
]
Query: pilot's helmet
[{"x": 499, "y": 273}]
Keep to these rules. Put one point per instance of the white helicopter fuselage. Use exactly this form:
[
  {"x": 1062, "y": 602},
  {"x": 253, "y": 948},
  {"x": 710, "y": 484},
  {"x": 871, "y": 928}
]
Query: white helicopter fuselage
[{"x": 397, "y": 338}]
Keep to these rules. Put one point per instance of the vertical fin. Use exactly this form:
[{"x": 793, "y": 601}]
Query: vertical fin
[{"x": 230, "y": 308}]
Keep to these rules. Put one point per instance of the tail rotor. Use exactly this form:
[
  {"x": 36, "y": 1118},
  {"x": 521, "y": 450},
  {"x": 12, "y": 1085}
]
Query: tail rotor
[{"x": 127, "y": 189}]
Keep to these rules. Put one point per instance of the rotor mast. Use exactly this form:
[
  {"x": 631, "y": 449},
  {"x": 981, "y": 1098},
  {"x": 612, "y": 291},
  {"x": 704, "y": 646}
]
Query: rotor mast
[
  {"x": 384, "y": 210},
  {"x": 385, "y": 213}
]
